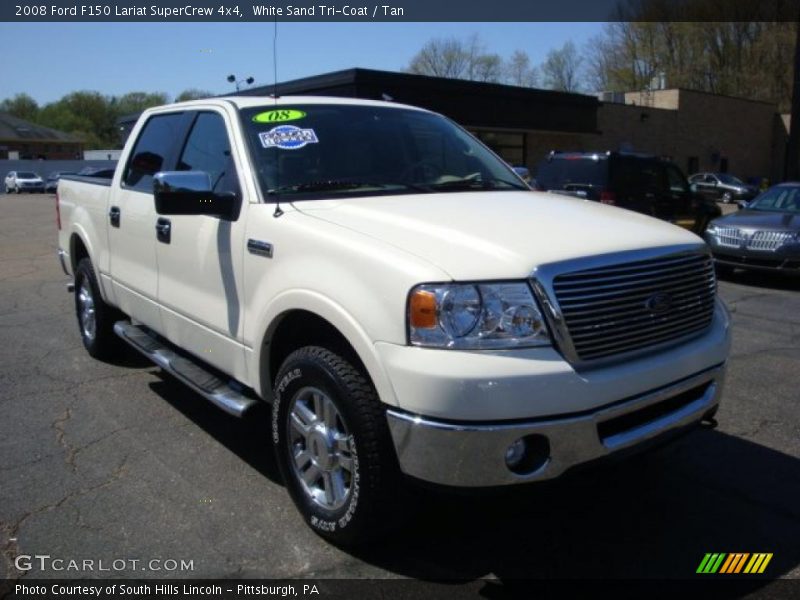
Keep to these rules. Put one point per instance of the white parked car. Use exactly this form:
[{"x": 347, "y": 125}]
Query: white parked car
[
  {"x": 409, "y": 308},
  {"x": 23, "y": 181}
]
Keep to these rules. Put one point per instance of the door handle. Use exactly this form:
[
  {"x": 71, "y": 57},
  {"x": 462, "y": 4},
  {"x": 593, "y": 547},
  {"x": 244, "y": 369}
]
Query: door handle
[
  {"x": 114, "y": 215},
  {"x": 163, "y": 230}
]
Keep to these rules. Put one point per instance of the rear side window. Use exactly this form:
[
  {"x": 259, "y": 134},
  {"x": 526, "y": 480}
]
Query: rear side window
[
  {"x": 151, "y": 150},
  {"x": 637, "y": 176},
  {"x": 564, "y": 173}
]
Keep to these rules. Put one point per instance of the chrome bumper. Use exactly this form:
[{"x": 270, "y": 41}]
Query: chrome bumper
[{"x": 473, "y": 455}]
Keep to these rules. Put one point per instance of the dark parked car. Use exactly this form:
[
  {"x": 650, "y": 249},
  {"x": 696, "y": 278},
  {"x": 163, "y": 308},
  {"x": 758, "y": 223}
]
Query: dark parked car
[
  {"x": 722, "y": 186},
  {"x": 101, "y": 172},
  {"x": 640, "y": 182},
  {"x": 51, "y": 184},
  {"x": 764, "y": 235}
]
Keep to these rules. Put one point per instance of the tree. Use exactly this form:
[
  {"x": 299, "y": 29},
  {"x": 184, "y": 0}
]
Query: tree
[
  {"x": 21, "y": 106},
  {"x": 193, "y": 94},
  {"x": 441, "y": 58},
  {"x": 136, "y": 102},
  {"x": 518, "y": 70},
  {"x": 488, "y": 68},
  {"x": 736, "y": 58},
  {"x": 561, "y": 69}
]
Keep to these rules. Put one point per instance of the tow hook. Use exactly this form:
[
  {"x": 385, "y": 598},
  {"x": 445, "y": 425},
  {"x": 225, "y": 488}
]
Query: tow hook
[{"x": 708, "y": 421}]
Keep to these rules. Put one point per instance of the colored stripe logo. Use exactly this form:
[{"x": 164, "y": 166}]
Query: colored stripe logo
[{"x": 734, "y": 562}]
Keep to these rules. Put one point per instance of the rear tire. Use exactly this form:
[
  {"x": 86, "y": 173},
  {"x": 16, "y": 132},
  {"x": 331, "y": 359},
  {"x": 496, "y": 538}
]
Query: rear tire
[
  {"x": 95, "y": 318},
  {"x": 333, "y": 447}
]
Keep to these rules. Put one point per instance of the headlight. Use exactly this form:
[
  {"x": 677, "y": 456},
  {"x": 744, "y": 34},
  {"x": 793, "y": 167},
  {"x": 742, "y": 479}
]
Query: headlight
[
  {"x": 475, "y": 316},
  {"x": 712, "y": 229}
]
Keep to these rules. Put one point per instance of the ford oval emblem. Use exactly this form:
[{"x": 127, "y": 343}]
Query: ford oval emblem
[{"x": 658, "y": 303}]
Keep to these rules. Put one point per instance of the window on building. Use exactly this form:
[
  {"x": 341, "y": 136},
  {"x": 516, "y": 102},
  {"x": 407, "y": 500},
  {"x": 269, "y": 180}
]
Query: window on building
[{"x": 510, "y": 146}]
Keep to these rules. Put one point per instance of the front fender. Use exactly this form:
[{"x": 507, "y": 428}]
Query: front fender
[{"x": 336, "y": 315}]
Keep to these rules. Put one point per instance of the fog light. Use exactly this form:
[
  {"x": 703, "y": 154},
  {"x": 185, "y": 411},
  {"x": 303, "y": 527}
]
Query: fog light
[
  {"x": 528, "y": 454},
  {"x": 515, "y": 453}
]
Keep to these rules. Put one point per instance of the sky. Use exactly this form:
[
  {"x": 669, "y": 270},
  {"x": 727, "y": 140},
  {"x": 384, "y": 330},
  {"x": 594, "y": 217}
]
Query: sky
[{"x": 48, "y": 60}]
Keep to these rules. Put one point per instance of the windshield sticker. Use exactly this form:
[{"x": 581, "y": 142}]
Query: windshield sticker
[
  {"x": 279, "y": 116},
  {"x": 287, "y": 137}
]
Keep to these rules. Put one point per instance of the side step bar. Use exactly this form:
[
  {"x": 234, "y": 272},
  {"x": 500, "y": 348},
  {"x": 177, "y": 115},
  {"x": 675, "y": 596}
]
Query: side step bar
[{"x": 205, "y": 383}]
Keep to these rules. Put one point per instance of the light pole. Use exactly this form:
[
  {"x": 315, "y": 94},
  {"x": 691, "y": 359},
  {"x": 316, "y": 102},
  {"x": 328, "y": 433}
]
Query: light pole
[{"x": 232, "y": 79}]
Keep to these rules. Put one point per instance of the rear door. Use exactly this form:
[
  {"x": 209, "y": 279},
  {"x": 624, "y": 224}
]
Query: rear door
[{"x": 132, "y": 218}]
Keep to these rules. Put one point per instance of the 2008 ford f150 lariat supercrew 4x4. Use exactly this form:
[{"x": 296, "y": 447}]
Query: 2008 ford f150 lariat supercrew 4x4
[{"x": 404, "y": 302}]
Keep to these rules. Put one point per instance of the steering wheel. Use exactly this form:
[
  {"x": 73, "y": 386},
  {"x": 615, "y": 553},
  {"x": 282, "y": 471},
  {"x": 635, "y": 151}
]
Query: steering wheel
[{"x": 427, "y": 172}]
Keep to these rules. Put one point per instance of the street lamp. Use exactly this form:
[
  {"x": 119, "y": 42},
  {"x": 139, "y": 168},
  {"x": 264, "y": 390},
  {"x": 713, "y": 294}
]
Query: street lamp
[{"x": 232, "y": 79}]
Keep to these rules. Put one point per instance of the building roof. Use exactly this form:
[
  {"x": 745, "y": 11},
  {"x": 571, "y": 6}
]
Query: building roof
[
  {"x": 472, "y": 103},
  {"x": 13, "y": 129}
]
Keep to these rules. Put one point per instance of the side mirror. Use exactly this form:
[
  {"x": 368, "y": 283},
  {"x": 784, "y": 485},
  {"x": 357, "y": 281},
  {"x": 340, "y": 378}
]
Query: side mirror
[
  {"x": 189, "y": 193},
  {"x": 742, "y": 204},
  {"x": 693, "y": 188}
]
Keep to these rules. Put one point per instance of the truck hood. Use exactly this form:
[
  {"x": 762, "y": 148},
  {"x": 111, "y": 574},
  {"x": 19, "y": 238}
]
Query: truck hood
[{"x": 491, "y": 235}]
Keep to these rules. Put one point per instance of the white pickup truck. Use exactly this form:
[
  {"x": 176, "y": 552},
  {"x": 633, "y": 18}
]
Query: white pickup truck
[{"x": 408, "y": 307}]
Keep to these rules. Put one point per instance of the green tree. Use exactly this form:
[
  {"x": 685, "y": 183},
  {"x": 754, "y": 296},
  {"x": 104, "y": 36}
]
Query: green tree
[
  {"x": 562, "y": 69},
  {"x": 21, "y": 106},
  {"x": 193, "y": 94}
]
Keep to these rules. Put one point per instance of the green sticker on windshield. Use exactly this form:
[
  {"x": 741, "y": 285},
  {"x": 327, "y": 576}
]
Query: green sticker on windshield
[{"x": 279, "y": 116}]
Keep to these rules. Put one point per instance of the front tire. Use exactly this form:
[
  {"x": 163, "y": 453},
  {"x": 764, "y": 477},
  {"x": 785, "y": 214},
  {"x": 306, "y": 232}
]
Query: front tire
[
  {"x": 333, "y": 447},
  {"x": 95, "y": 318}
]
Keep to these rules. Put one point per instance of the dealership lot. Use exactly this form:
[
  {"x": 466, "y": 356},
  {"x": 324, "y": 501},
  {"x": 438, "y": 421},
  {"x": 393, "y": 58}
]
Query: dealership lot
[{"x": 120, "y": 463}]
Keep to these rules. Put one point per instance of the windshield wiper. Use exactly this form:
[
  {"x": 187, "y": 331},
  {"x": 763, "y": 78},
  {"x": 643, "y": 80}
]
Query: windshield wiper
[
  {"x": 473, "y": 183},
  {"x": 344, "y": 184}
]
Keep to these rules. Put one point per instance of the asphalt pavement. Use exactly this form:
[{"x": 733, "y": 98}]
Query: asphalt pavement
[{"x": 119, "y": 464}]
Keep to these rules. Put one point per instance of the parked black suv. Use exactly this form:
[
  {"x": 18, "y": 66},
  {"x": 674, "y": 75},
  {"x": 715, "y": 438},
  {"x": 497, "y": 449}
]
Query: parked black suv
[{"x": 640, "y": 182}]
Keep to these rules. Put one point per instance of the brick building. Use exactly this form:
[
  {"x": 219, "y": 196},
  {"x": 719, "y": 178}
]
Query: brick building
[
  {"x": 23, "y": 140},
  {"x": 697, "y": 130}
]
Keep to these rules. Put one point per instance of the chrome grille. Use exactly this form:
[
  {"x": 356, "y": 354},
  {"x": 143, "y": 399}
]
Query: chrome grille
[
  {"x": 632, "y": 306},
  {"x": 768, "y": 240},
  {"x": 729, "y": 236}
]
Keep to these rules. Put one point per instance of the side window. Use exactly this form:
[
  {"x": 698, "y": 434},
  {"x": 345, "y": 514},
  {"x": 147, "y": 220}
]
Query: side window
[
  {"x": 151, "y": 149},
  {"x": 208, "y": 149},
  {"x": 676, "y": 181}
]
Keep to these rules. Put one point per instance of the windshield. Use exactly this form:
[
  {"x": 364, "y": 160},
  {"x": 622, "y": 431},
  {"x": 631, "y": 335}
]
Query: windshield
[
  {"x": 27, "y": 175},
  {"x": 780, "y": 198},
  {"x": 729, "y": 179},
  {"x": 333, "y": 150}
]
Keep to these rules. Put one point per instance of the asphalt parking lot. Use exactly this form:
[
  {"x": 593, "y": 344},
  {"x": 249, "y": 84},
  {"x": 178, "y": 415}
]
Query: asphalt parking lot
[{"x": 119, "y": 461}]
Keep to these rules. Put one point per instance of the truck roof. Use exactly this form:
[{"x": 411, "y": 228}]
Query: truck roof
[{"x": 249, "y": 101}]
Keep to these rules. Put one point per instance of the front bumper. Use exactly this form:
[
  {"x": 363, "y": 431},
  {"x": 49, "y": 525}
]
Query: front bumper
[
  {"x": 783, "y": 260},
  {"x": 473, "y": 455}
]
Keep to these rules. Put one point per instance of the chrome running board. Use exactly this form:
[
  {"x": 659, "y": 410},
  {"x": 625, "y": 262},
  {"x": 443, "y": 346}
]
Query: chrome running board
[{"x": 212, "y": 388}]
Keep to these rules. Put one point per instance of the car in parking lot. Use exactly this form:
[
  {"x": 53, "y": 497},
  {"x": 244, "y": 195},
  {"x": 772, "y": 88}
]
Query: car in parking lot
[
  {"x": 23, "y": 181},
  {"x": 723, "y": 187},
  {"x": 52, "y": 180},
  {"x": 641, "y": 182},
  {"x": 764, "y": 235}
]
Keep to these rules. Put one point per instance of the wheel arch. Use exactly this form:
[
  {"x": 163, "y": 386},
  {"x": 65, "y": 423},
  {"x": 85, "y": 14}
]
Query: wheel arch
[{"x": 308, "y": 319}]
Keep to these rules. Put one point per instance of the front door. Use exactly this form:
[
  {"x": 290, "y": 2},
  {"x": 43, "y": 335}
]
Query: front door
[{"x": 200, "y": 257}]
